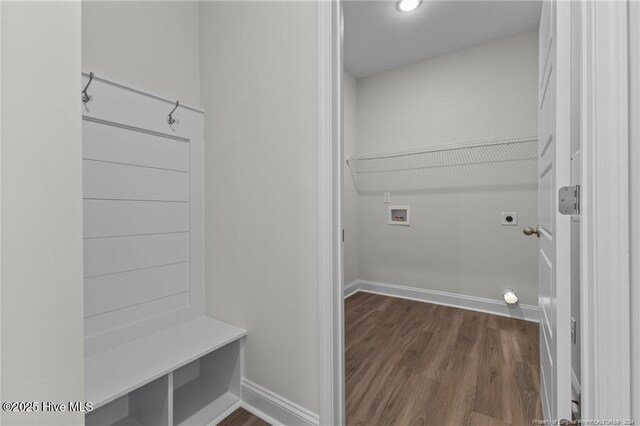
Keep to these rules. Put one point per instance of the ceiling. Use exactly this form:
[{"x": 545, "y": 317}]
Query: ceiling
[{"x": 377, "y": 37}]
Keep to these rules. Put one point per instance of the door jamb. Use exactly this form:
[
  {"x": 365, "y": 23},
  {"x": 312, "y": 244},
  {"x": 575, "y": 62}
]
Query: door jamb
[
  {"x": 604, "y": 252},
  {"x": 1, "y": 206},
  {"x": 605, "y": 243},
  {"x": 634, "y": 169},
  {"x": 330, "y": 277}
]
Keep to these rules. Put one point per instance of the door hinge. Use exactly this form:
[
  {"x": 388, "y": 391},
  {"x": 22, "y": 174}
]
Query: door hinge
[{"x": 569, "y": 200}]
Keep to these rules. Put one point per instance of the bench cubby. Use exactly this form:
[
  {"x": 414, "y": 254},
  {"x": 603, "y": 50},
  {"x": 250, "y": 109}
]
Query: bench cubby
[
  {"x": 188, "y": 374},
  {"x": 206, "y": 387},
  {"x": 147, "y": 405}
]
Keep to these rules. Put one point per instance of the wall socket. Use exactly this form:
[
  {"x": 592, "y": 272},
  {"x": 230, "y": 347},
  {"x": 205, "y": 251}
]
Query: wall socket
[
  {"x": 509, "y": 218},
  {"x": 387, "y": 197}
]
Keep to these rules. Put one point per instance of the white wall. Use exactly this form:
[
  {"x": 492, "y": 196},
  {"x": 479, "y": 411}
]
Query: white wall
[
  {"x": 148, "y": 45},
  {"x": 350, "y": 197},
  {"x": 260, "y": 90},
  {"x": 42, "y": 338},
  {"x": 252, "y": 67},
  {"x": 455, "y": 242}
]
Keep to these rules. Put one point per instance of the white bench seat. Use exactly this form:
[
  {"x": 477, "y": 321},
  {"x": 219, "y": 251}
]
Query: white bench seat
[{"x": 117, "y": 371}]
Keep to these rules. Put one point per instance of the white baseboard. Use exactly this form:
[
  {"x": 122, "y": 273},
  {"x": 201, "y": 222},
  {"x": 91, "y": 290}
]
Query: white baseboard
[
  {"x": 480, "y": 304},
  {"x": 273, "y": 408},
  {"x": 351, "y": 288}
]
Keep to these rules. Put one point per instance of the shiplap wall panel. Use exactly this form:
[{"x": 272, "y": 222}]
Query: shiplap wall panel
[
  {"x": 132, "y": 314},
  {"x": 143, "y": 214},
  {"x": 116, "y": 291},
  {"x": 116, "y": 103},
  {"x": 103, "y": 218},
  {"x": 115, "y": 181},
  {"x": 119, "y": 254},
  {"x": 128, "y": 146}
]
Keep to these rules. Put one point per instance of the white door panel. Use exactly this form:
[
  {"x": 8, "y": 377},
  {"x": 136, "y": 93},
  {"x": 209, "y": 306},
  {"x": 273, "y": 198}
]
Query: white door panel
[{"x": 553, "y": 173}]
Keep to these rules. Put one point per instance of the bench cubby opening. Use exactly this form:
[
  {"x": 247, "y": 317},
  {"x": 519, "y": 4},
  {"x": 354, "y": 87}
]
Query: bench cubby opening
[
  {"x": 147, "y": 405},
  {"x": 207, "y": 387}
]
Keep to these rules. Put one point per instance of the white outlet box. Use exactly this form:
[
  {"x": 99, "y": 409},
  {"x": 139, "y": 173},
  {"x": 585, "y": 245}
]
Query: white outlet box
[
  {"x": 509, "y": 218},
  {"x": 399, "y": 215},
  {"x": 387, "y": 197}
]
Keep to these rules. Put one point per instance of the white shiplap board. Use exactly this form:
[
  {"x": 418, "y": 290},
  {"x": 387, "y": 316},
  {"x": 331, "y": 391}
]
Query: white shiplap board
[
  {"x": 112, "y": 255},
  {"x": 126, "y": 146},
  {"x": 111, "y": 292},
  {"x": 119, "y": 321},
  {"x": 116, "y": 181},
  {"x": 104, "y": 218},
  {"x": 143, "y": 215}
]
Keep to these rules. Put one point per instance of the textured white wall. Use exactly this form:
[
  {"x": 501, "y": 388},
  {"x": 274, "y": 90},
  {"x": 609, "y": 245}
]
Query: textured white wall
[
  {"x": 149, "y": 45},
  {"x": 260, "y": 90},
  {"x": 350, "y": 197},
  {"x": 42, "y": 338},
  {"x": 254, "y": 67},
  {"x": 455, "y": 242}
]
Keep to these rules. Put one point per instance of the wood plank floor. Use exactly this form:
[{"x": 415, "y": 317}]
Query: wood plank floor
[
  {"x": 242, "y": 417},
  {"x": 415, "y": 363}
]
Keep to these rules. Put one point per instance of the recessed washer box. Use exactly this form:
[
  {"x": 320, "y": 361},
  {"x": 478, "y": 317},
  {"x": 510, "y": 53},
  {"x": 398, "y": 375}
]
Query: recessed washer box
[{"x": 399, "y": 215}]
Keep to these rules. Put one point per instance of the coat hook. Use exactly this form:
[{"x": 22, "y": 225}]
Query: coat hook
[
  {"x": 85, "y": 96},
  {"x": 172, "y": 120}
]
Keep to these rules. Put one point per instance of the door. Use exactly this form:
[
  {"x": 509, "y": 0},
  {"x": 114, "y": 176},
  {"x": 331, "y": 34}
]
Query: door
[{"x": 554, "y": 171}]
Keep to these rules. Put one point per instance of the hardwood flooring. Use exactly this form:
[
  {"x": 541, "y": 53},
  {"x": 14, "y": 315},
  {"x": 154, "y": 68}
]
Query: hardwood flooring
[
  {"x": 414, "y": 363},
  {"x": 242, "y": 417}
]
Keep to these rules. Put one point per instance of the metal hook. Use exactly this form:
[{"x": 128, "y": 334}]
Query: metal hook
[
  {"x": 172, "y": 120},
  {"x": 85, "y": 96}
]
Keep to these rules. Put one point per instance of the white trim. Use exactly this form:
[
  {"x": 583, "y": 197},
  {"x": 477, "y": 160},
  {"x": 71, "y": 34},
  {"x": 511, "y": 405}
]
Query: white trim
[
  {"x": 1, "y": 206},
  {"x": 473, "y": 303},
  {"x": 330, "y": 296},
  {"x": 634, "y": 167},
  {"x": 351, "y": 288},
  {"x": 274, "y": 408},
  {"x": 604, "y": 257}
]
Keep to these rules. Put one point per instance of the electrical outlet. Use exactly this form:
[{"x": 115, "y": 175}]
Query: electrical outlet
[
  {"x": 509, "y": 218},
  {"x": 387, "y": 197}
]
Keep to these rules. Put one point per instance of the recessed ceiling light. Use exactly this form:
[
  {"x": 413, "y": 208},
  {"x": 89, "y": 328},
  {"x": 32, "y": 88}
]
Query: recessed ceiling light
[{"x": 408, "y": 5}]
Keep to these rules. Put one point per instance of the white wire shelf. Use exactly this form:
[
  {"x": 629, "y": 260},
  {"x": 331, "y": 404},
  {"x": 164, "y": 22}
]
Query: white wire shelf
[{"x": 499, "y": 162}]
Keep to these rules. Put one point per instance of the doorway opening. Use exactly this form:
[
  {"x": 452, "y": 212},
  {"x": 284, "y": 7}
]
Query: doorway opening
[{"x": 442, "y": 110}]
